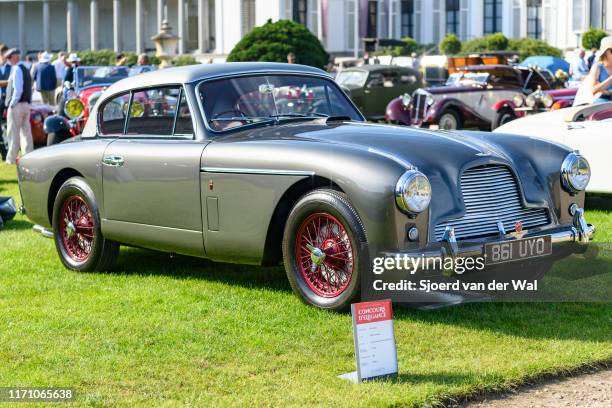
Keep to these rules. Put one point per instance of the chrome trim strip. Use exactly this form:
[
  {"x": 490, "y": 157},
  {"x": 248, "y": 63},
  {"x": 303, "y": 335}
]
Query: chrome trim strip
[{"x": 273, "y": 172}]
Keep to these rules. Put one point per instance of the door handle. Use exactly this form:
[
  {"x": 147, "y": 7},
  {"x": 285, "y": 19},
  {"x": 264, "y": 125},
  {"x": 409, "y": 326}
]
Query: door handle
[
  {"x": 572, "y": 127},
  {"x": 113, "y": 161}
]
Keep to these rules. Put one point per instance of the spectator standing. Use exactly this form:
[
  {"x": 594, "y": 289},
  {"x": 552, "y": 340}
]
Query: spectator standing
[
  {"x": 44, "y": 76},
  {"x": 60, "y": 67},
  {"x": 5, "y": 71},
  {"x": 18, "y": 99},
  {"x": 73, "y": 60},
  {"x": 120, "y": 59},
  {"x": 143, "y": 59},
  {"x": 579, "y": 68},
  {"x": 291, "y": 58},
  {"x": 591, "y": 58}
]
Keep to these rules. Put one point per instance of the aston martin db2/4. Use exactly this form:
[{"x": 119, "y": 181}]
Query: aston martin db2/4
[{"x": 262, "y": 162}]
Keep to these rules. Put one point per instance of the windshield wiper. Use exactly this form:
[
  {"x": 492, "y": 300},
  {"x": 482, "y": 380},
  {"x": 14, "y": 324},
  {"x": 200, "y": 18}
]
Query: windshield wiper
[
  {"x": 299, "y": 115},
  {"x": 241, "y": 118}
]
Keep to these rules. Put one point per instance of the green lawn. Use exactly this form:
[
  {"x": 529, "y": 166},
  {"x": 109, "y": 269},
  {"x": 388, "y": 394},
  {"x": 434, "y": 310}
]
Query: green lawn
[{"x": 174, "y": 332}]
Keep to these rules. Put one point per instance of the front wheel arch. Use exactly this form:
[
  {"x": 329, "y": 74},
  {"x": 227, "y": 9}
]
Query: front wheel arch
[
  {"x": 274, "y": 237},
  {"x": 59, "y": 179}
]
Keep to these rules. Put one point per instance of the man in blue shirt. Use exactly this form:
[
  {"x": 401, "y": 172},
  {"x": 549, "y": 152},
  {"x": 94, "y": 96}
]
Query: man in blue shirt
[
  {"x": 5, "y": 71},
  {"x": 18, "y": 99},
  {"x": 43, "y": 74},
  {"x": 579, "y": 68}
]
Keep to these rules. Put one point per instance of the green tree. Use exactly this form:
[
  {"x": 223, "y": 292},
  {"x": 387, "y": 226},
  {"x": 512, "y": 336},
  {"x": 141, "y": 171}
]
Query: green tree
[
  {"x": 410, "y": 45},
  {"x": 273, "y": 41},
  {"x": 450, "y": 45},
  {"x": 184, "y": 60},
  {"x": 592, "y": 37}
]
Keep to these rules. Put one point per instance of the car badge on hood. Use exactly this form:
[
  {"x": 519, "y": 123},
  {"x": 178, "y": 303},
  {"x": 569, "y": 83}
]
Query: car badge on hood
[{"x": 518, "y": 230}]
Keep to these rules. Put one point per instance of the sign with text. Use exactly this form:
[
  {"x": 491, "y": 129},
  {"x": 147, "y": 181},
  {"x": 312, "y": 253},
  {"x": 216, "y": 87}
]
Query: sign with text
[{"x": 375, "y": 349}]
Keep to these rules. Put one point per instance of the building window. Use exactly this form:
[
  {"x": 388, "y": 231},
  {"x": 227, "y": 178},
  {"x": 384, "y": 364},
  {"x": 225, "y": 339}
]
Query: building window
[
  {"x": 534, "y": 18},
  {"x": 372, "y": 31},
  {"x": 407, "y": 18},
  {"x": 452, "y": 16},
  {"x": 300, "y": 11},
  {"x": 492, "y": 16}
]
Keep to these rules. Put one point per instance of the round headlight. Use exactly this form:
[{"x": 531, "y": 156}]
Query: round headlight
[
  {"x": 530, "y": 100},
  {"x": 74, "y": 108},
  {"x": 406, "y": 100},
  {"x": 547, "y": 100},
  {"x": 413, "y": 192},
  {"x": 518, "y": 100},
  {"x": 575, "y": 173}
]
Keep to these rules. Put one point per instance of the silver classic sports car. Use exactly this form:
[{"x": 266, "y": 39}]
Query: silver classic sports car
[{"x": 261, "y": 163}]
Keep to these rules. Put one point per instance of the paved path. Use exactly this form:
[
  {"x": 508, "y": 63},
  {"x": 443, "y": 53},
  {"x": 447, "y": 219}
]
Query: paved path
[{"x": 592, "y": 390}]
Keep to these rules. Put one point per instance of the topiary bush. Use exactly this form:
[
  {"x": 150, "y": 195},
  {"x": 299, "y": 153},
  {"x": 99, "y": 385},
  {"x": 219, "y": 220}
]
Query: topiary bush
[
  {"x": 592, "y": 38},
  {"x": 411, "y": 45},
  {"x": 450, "y": 45},
  {"x": 478, "y": 44},
  {"x": 273, "y": 41},
  {"x": 497, "y": 42}
]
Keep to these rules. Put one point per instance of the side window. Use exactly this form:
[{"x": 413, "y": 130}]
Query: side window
[
  {"x": 407, "y": 77},
  {"x": 112, "y": 115},
  {"x": 389, "y": 79},
  {"x": 375, "y": 80},
  {"x": 152, "y": 112},
  {"x": 184, "y": 125}
]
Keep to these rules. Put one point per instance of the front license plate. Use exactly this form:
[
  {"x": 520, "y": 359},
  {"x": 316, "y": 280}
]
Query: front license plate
[{"x": 517, "y": 250}]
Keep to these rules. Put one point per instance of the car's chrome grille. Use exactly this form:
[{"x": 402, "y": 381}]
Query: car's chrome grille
[
  {"x": 418, "y": 106},
  {"x": 491, "y": 194}
]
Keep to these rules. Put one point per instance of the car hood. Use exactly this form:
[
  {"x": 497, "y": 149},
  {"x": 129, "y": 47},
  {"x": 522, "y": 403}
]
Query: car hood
[{"x": 453, "y": 89}]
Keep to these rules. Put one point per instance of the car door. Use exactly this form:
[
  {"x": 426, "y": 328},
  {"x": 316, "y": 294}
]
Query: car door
[
  {"x": 151, "y": 174},
  {"x": 374, "y": 92}
]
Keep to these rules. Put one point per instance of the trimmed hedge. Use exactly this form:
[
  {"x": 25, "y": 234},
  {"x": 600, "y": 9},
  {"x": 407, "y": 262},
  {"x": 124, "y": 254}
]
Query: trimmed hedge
[
  {"x": 450, "y": 45},
  {"x": 107, "y": 57}
]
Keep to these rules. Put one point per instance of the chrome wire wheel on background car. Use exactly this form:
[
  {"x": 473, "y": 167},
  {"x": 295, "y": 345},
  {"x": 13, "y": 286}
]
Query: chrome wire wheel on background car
[
  {"x": 324, "y": 254},
  {"x": 76, "y": 229},
  {"x": 325, "y": 250}
]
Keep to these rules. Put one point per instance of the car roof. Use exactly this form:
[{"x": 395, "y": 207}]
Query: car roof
[
  {"x": 191, "y": 73},
  {"x": 377, "y": 67}
]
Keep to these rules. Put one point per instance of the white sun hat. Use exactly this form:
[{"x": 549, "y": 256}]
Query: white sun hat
[
  {"x": 73, "y": 58},
  {"x": 606, "y": 44}
]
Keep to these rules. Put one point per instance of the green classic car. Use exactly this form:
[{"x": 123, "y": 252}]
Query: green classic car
[{"x": 371, "y": 87}]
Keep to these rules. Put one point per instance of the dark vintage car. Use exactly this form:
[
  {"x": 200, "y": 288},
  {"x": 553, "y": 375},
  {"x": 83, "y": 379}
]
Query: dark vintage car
[
  {"x": 246, "y": 169},
  {"x": 371, "y": 87},
  {"x": 80, "y": 96},
  {"x": 481, "y": 96}
]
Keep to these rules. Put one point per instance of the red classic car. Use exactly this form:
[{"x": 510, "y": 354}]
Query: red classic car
[
  {"x": 79, "y": 96},
  {"x": 481, "y": 96}
]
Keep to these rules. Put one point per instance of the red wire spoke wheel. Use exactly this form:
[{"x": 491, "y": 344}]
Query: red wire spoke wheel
[
  {"x": 324, "y": 254},
  {"x": 77, "y": 228},
  {"x": 325, "y": 250}
]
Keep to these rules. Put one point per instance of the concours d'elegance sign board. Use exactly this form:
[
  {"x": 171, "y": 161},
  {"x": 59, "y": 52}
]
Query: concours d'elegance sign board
[{"x": 374, "y": 338}]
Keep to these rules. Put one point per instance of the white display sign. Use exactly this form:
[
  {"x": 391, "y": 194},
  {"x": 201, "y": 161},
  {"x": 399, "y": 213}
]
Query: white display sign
[{"x": 375, "y": 349}]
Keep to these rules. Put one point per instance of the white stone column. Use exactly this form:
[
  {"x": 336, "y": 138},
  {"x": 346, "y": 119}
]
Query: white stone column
[
  {"x": 21, "y": 27},
  {"x": 160, "y": 15},
  {"x": 70, "y": 19},
  {"x": 93, "y": 24},
  {"x": 46, "y": 17},
  {"x": 203, "y": 28},
  {"x": 319, "y": 20},
  {"x": 356, "y": 29},
  {"x": 181, "y": 26},
  {"x": 139, "y": 27},
  {"x": 117, "y": 32}
]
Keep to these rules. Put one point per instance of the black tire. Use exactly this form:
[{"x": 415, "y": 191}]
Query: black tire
[
  {"x": 334, "y": 204},
  {"x": 502, "y": 117},
  {"x": 102, "y": 253},
  {"x": 55, "y": 138},
  {"x": 453, "y": 117}
]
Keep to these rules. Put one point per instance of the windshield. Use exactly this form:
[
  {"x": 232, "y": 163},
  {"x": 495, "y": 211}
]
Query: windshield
[
  {"x": 87, "y": 76},
  {"x": 352, "y": 78},
  {"x": 468, "y": 78},
  {"x": 236, "y": 102}
]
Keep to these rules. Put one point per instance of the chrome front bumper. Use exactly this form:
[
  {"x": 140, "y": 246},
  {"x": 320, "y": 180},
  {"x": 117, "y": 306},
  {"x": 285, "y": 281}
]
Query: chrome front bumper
[{"x": 579, "y": 232}]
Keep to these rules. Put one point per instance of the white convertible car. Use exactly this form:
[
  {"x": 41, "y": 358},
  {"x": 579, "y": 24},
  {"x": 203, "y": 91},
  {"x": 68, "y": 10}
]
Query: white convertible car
[{"x": 585, "y": 128}]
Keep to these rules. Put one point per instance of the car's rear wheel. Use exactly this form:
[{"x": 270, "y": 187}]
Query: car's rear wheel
[
  {"x": 76, "y": 229},
  {"x": 325, "y": 250},
  {"x": 449, "y": 120},
  {"x": 502, "y": 117}
]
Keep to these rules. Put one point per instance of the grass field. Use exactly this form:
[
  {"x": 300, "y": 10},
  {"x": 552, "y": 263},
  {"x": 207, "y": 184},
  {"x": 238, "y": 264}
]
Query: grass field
[{"x": 172, "y": 332}]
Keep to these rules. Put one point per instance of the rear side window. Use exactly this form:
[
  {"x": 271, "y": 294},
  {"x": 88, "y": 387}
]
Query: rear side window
[
  {"x": 112, "y": 116},
  {"x": 152, "y": 112}
]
